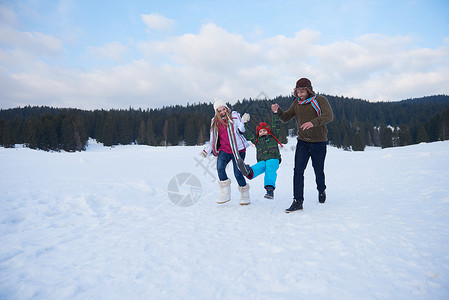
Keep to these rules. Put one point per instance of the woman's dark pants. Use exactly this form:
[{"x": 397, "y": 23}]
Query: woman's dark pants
[{"x": 222, "y": 161}]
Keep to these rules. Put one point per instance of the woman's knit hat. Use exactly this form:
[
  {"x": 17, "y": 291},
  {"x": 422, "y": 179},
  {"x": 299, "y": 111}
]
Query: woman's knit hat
[
  {"x": 218, "y": 103},
  {"x": 263, "y": 125}
]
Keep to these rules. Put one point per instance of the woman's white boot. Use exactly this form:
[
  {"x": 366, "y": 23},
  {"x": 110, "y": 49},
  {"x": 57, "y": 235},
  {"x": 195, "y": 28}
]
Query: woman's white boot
[
  {"x": 244, "y": 194},
  {"x": 225, "y": 186}
]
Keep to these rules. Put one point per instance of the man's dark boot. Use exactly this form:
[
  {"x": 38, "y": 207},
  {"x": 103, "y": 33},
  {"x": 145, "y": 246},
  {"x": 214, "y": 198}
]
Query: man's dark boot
[
  {"x": 296, "y": 205},
  {"x": 322, "y": 196}
]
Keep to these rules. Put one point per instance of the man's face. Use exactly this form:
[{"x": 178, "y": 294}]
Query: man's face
[{"x": 302, "y": 93}]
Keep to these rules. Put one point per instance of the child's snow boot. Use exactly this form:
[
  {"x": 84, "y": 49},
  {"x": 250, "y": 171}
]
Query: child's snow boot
[
  {"x": 244, "y": 194},
  {"x": 225, "y": 186},
  {"x": 322, "y": 196},
  {"x": 245, "y": 169},
  {"x": 296, "y": 205},
  {"x": 270, "y": 192}
]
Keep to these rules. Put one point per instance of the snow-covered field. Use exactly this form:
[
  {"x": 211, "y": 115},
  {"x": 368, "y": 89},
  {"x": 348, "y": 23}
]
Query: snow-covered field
[{"x": 102, "y": 224}]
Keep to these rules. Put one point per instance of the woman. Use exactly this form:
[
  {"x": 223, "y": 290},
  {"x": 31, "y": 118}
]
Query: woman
[{"x": 228, "y": 143}]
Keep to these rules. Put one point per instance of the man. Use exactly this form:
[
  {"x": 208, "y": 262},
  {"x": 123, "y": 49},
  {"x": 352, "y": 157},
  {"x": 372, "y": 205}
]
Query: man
[{"x": 312, "y": 112}]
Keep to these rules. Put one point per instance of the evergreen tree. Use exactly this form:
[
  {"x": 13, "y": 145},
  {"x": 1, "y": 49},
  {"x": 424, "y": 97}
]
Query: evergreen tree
[
  {"x": 142, "y": 138},
  {"x": 125, "y": 132},
  {"x": 151, "y": 139},
  {"x": 395, "y": 137},
  {"x": 165, "y": 131},
  {"x": 444, "y": 125},
  {"x": 109, "y": 130},
  {"x": 334, "y": 135},
  {"x": 172, "y": 131},
  {"x": 202, "y": 135},
  {"x": 404, "y": 136},
  {"x": 6, "y": 134},
  {"x": 386, "y": 136},
  {"x": 422, "y": 135},
  {"x": 433, "y": 128},
  {"x": 357, "y": 144},
  {"x": 369, "y": 139},
  {"x": 376, "y": 138},
  {"x": 190, "y": 136},
  {"x": 3, "y": 131},
  {"x": 346, "y": 142}
]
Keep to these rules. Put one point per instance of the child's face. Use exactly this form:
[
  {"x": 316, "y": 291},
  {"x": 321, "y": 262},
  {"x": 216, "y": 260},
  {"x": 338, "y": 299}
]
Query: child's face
[{"x": 263, "y": 131}]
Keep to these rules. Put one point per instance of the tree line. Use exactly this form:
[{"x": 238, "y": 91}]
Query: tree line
[{"x": 357, "y": 124}]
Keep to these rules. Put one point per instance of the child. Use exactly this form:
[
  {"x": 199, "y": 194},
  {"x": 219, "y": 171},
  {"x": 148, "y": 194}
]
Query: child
[{"x": 268, "y": 159}]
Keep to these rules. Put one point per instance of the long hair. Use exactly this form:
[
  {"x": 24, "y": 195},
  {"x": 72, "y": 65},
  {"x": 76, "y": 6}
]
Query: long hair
[{"x": 217, "y": 120}]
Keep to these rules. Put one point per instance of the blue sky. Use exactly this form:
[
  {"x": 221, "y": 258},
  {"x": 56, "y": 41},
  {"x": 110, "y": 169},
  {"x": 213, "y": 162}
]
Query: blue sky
[{"x": 116, "y": 54}]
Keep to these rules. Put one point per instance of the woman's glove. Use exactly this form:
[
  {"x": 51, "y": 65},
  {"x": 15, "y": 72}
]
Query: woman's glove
[
  {"x": 245, "y": 118},
  {"x": 203, "y": 154}
]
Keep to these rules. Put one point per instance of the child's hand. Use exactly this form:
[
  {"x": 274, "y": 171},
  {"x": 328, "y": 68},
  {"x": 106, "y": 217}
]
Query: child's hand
[{"x": 245, "y": 117}]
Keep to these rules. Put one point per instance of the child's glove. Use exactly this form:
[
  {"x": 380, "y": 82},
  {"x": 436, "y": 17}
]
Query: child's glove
[
  {"x": 203, "y": 154},
  {"x": 245, "y": 118}
]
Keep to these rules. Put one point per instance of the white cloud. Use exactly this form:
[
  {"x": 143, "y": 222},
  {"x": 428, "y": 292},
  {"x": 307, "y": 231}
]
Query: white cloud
[
  {"x": 8, "y": 17},
  {"x": 381, "y": 68},
  {"x": 158, "y": 22},
  {"x": 32, "y": 42},
  {"x": 216, "y": 63},
  {"x": 113, "y": 51}
]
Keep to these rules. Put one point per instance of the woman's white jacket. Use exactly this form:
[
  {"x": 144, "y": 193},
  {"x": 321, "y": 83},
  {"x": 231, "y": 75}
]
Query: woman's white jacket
[{"x": 236, "y": 128}]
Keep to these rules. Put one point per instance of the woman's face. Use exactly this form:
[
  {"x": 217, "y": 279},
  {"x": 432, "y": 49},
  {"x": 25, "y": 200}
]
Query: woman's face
[
  {"x": 302, "y": 93},
  {"x": 222, "y": 111}
]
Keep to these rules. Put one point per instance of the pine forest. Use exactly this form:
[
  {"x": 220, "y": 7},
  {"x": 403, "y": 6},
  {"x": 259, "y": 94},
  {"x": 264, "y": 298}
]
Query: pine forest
[{"x": 357, "y": 124}]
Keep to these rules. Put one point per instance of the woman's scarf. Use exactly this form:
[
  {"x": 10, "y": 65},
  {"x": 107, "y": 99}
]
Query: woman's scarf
[
  {"x": 311, "y": 100},
  {"x": 232, "y": 139}
]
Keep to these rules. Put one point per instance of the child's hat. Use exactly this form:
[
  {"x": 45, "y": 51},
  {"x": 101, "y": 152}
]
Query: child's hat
[{"x": 263, "y": 125}]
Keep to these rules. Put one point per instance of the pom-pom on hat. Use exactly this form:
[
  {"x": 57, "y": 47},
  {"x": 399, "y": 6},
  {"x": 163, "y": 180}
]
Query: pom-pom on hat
[{"x": 218, "y": 103}]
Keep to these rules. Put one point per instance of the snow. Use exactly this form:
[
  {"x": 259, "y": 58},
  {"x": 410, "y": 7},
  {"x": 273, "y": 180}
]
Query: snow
[{"x": 102, "y": 224}]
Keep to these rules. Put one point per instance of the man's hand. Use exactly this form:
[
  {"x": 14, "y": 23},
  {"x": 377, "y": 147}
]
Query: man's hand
[
  {"x": 306, "y": 125},
  {"x": 274, "y": 108}
]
